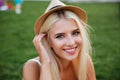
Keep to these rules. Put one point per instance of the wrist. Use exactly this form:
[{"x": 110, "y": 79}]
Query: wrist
[{"x": 45, "y": 65}]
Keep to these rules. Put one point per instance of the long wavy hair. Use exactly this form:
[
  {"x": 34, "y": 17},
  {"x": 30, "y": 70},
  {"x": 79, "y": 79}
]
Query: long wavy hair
[{"x": 80, "y": 62}]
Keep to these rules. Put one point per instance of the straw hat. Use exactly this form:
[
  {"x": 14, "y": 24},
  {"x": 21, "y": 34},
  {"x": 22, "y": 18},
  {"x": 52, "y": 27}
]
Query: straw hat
[{"x": 56, "y": 5}]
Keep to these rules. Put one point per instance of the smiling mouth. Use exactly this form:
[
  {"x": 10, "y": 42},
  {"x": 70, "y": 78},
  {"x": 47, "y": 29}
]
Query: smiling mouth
[{"x": 70, "y": 51}]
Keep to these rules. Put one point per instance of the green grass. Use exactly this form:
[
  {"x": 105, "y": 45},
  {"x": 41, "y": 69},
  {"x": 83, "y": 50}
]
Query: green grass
[{"x": 16, "y": 34}]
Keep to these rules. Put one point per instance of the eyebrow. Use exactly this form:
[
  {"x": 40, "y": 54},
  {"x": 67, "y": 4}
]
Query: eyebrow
[
  {"x": 76, "y": 29},
  {"x": 59, "y": 34},
  {"x": 64, "y": 33}
]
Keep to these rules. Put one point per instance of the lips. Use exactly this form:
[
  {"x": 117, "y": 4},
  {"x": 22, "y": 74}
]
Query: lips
[{"x": 70, "y": 51}]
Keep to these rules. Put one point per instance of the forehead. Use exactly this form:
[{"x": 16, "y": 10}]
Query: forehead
[{"x": 64, "y": 25}]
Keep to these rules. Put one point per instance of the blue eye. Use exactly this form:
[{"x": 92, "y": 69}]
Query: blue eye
[
  {"x": 75, "y": 33},
  {"x": 59, "y": 36}
]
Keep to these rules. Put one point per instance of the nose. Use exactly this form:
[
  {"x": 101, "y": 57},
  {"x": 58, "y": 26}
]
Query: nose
[{"x": 70, "y": 41}]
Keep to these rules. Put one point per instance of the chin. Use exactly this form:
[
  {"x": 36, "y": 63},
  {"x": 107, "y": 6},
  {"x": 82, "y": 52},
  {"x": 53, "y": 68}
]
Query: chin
[{"x": 70, "y": 58}]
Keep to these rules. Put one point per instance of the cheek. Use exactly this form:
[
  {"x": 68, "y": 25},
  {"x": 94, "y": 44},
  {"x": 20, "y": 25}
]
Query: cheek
[
  {"x": 79, "y": 40},
  {"x": 55, "y": 44}
]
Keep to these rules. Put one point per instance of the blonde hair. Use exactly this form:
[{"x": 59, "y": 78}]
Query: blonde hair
[{"x": 80, "y": 63}]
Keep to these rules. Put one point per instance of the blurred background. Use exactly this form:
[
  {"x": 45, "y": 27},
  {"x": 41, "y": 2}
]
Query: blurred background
[{"x": 16, "y": 35}]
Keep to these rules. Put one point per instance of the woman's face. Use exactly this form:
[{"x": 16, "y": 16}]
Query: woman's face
[{"x": 65, "y": 39}]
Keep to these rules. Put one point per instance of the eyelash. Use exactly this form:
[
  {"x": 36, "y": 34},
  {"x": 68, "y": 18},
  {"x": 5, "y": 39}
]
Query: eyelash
[
  {"x": 75, "y": 33},
  {"x": 60, "y": 36}
]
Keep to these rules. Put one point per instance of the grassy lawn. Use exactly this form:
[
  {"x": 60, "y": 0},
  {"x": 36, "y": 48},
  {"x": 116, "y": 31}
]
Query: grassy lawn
[{"x": 16, "y": 34}]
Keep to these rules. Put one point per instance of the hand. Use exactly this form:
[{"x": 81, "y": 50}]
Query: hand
[{"x": 41, "y": 49}]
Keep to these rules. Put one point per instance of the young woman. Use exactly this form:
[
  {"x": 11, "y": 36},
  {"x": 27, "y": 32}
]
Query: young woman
[{"x": 62, "y": 44}]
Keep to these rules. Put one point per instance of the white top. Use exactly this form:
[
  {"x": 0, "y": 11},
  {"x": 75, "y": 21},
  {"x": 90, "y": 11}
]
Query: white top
[{"x": 35, "y": 60}]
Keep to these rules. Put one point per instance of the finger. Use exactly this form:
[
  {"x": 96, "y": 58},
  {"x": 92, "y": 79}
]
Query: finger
[
  {"x": 38, "y": 38},
  {"x": 37, "y": 42},
  {"x": 35, "y": 39},
  {"x": 40, "y": 48}
]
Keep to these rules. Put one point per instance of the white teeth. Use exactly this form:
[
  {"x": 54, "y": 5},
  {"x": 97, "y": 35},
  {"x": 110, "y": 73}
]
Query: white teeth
[{"x": 70, "y": 50}]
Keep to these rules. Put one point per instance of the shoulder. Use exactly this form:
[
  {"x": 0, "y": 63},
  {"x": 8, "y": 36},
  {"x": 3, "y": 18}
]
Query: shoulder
[
  {"x": 31, "y": 70},
  {"x": 90, "y": 69}
]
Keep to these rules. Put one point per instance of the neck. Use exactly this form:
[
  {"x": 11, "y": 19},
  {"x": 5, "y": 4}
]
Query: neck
[{"x": 65, "y": 64}]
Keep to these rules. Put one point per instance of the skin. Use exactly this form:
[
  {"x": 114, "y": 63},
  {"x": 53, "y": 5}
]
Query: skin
[{"x": 66, "y": 43}]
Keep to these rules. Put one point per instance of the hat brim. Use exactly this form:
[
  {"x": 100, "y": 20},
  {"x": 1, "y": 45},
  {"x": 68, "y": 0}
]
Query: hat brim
[{"x": 78, "y": 11}]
